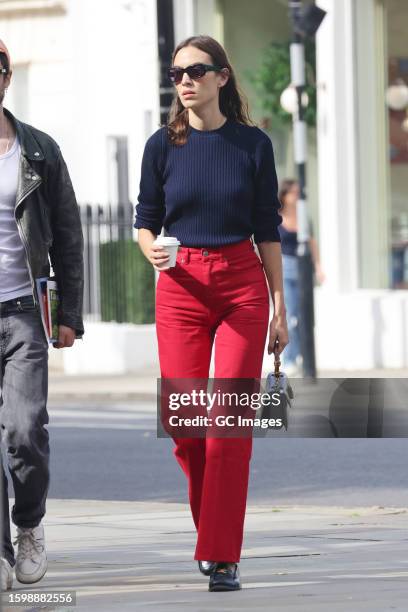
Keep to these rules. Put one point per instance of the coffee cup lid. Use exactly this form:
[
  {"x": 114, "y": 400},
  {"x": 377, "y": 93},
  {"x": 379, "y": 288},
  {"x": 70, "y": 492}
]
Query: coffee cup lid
[{"x": 169, "y": 240}]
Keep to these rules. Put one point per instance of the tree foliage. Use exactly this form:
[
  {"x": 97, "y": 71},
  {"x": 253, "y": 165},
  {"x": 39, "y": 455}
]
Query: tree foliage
[{"x": 273, "y": 76}]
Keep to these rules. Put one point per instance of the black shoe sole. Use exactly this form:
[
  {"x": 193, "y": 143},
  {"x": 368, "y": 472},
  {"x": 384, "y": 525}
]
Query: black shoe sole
[{"x": 222, "y": 587}]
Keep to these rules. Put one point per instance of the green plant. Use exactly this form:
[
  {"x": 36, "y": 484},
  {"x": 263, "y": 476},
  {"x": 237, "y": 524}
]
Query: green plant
[
  {"x": 273, "y": 76},
  {"x": 127, "y": 283}
]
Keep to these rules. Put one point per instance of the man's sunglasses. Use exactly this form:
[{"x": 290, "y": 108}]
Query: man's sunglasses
[
  {"x": 3, "y": 71},
  {"x": 195, "y": 71}
]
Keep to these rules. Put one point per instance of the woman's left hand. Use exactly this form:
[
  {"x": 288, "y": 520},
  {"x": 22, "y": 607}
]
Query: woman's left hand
[{"x": 278, "y": 330}]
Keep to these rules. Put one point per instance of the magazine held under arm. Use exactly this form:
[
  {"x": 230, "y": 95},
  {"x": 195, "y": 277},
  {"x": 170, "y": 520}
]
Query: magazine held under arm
[{"x": 47, "y": 290}]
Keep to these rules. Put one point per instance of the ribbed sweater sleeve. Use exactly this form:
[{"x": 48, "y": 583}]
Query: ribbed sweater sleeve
[
  {"x": 266, "y": 215},
  {"x": 150, "y": 210}
]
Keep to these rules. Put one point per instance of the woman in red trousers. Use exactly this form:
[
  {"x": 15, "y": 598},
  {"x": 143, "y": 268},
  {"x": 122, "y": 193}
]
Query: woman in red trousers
[{"x": 208, "y": 177}]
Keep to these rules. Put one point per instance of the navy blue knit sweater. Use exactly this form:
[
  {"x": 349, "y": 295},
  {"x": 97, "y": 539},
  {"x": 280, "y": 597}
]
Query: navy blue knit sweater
[{"x": 217, "y": 189}]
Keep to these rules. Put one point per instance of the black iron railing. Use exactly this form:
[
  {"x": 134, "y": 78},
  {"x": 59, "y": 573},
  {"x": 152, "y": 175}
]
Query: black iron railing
[{"x": 119, "y": 281}]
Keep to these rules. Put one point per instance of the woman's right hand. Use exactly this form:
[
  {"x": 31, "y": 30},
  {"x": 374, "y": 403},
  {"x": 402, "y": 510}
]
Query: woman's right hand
[
  {"x": 157, "y": 256},
  {"x": 320, "y": 275}
]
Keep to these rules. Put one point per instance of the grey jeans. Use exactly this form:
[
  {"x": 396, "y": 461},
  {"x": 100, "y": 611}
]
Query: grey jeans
[{"x": 23, "y": 415}]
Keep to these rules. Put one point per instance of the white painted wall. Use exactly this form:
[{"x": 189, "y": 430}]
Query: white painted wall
[
  {"x": 92, "y": 73},
  {"x": 362, "y": 329},
  {"x": 112, "y": 348}
]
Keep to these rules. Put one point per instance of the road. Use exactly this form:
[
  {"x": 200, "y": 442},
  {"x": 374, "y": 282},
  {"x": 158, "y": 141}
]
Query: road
[{"x": 111, "y": 452}]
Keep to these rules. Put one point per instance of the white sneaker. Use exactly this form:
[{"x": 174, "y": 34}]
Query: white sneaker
[
  {"x": 6, "y": 575},
  {"x": 31, "y": 560}
]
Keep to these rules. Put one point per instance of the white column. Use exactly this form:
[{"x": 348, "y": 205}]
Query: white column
[
  {"x": 337, "y": 145},
  {"x": 353, "y": 145},
  {"x": 209, "y": 19},
  {"x": 184, "y": 14},
  {"x": 373, "y": 156}
]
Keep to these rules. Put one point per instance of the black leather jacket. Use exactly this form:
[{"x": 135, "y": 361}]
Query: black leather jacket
[{"x": 48, "y": 220}]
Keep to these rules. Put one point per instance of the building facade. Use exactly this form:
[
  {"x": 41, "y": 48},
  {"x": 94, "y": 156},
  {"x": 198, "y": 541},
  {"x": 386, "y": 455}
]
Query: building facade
[
  {"x": 357, "y": 165},
  {"x": 88, "y": 72},
  {"x": 362, "y": 310}
]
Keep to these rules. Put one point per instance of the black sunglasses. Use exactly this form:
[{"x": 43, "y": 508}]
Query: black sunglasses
[
  {"x": 195, "y": 71},
  {"x": 3, "y": 71}
]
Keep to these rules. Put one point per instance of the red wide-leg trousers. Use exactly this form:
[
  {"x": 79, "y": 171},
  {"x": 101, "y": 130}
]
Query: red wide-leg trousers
[{"x": 214, "y": 295}]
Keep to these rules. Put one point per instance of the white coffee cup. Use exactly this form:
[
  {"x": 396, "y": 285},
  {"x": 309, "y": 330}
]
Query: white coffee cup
[{"x": 171, "y": 246}]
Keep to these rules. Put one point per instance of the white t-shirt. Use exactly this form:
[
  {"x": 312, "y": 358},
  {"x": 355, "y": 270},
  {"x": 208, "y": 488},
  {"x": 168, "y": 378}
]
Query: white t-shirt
[{"x": 14, "y": 275}]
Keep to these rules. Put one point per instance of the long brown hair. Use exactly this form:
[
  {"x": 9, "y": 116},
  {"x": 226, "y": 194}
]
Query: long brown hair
[
  {"x": 285, "y": 187},
  {"x": 4, "y": 61},
  {"x": 233, "y": 103}
]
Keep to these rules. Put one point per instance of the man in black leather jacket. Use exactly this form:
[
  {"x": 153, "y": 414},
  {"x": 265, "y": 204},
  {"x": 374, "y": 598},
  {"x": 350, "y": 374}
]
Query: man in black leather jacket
[{"x": 39, "y": 221}]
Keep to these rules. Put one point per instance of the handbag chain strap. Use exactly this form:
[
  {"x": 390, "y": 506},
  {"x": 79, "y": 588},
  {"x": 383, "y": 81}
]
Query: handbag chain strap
[{"x": 277, "y": 359}]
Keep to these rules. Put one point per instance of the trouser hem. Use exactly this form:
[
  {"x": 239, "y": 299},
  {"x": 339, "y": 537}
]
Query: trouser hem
[{"x": 226, "y": 558}]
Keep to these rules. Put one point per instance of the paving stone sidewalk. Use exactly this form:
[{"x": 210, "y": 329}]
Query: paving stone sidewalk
[
  {"x": 139, "y": 556},
  {"x": 143, "y": 384}
]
